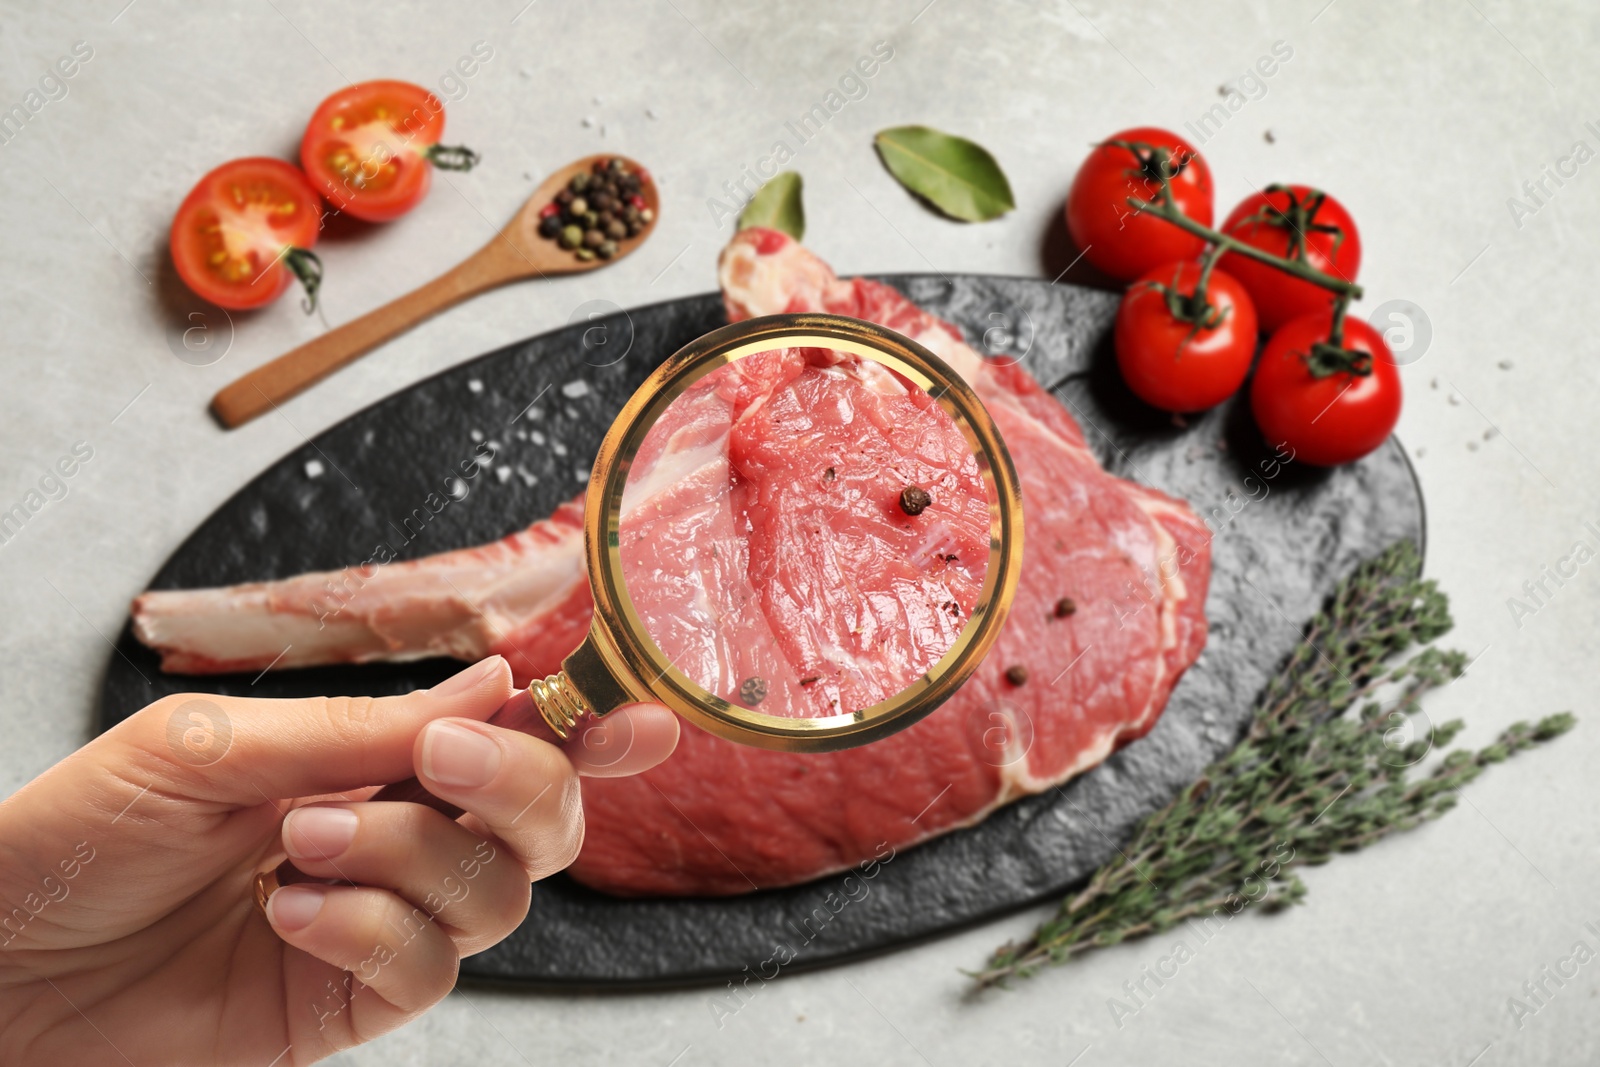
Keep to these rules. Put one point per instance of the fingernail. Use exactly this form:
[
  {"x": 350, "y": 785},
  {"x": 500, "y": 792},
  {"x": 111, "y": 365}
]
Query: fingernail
[
  {"x": 319, "y": 833},
  {"x": 294, "y": 906},
  {"x": 455, "y": 755},
  {"x": 457, "y": 684}
]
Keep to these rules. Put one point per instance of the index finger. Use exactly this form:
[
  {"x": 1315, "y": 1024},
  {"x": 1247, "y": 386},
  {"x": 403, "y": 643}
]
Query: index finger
[{"x": 257, "y": 749}]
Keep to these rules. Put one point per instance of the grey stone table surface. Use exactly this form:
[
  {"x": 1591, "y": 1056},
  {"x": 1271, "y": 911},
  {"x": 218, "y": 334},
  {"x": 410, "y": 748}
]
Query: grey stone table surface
[{"x": 1460, "y": 136}]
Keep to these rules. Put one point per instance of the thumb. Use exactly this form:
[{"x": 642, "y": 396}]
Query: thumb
[{"x": 242, "y": 751}]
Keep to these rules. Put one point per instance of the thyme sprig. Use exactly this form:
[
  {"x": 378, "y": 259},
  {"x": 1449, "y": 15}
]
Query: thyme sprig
[{"x": 1305, "y": 783}]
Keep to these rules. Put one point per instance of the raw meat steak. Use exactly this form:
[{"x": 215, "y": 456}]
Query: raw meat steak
[
  {"x": 718, "y": 818},
  {"x": 764, "y": 545}
]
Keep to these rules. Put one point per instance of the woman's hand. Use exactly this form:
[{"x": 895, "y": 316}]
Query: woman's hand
[{"x": 128, "y": 932}]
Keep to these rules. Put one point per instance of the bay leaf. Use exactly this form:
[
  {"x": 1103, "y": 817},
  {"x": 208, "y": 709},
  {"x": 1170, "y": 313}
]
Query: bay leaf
[
  {"x": 954, "y": 175},
  {"x": 777, "y": 206}
]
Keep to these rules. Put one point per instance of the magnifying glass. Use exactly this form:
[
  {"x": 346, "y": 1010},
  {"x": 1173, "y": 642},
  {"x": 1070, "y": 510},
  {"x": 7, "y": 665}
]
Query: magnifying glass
[{"x": 803, "y": 533}]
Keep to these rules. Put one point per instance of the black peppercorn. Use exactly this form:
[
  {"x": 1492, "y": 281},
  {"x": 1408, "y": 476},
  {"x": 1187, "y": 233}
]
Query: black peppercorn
[
  {"x": 913, "y": 499},
  {"x": 753, "y": 691}
]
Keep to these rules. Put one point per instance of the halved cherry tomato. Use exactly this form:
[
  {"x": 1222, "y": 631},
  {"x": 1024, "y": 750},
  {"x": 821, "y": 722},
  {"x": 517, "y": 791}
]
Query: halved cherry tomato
[
  {"x": 245, "y": 232},
  {"x": 1296, "y": 222},
  {"x": 1113, "y": 236},
  {"x": 371, "y": 148},
  {"x": 1325, "y": 414},
  {"x": 1185, "y": 366}
]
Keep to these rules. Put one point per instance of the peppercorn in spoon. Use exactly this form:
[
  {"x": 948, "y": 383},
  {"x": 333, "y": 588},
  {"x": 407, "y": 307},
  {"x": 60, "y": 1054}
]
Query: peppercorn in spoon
[{"x": 616, "y": 206}]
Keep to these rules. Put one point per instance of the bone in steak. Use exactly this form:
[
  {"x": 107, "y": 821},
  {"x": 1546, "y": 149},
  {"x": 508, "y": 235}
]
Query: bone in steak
[{"x": 720, "y": 818}]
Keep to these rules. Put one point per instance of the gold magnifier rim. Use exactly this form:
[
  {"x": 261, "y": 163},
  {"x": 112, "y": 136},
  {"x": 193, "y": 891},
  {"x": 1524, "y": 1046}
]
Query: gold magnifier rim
[{"x": 619, "y": 635}]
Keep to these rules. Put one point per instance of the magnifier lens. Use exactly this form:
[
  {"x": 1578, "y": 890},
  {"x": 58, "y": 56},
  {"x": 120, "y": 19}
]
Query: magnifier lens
[{"x": 804, "y": 532}]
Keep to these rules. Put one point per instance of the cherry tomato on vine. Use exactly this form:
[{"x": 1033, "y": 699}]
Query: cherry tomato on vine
[
  {"x": 1328, "y": 407},
  {"x": 1125, "y": 243},
  {"x": 1296, "y": 222},
  {"x": 245, "y": 232},
  {"x": 371, "y": 148},
  {"x": 1186, "y": 363}
]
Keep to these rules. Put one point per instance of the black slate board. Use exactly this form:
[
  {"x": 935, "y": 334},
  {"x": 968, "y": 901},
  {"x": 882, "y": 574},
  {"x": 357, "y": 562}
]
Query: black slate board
[{"x": 1281, "y": 543}]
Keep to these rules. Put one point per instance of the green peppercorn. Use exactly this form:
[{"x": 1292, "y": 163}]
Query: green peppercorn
[
  {"x": 586, "y": 255},
  {"x": 590, "y": 220},
  {"x": 571, "y": 237},
  {"x": 579, "y": 182},
  {"x": 618, "y": 166},
  {"x": 607, "y": 249}
]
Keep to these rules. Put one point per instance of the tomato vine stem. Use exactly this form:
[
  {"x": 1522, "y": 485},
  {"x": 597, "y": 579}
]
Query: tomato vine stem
[
  {"x": 307, "y": 266},
  {"x": 1162, "y": 208}
]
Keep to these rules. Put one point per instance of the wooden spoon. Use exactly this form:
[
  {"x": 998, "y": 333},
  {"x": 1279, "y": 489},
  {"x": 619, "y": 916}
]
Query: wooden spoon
[{"x": 516, "y": 252}]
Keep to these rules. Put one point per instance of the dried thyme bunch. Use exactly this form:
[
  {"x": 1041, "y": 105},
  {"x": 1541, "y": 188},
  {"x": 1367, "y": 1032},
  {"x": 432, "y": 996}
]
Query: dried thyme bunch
[{"x": 1306, "y": 781}]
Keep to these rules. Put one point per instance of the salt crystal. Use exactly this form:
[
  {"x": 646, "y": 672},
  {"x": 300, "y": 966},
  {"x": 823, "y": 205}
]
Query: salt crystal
[
  {"x": 583, "y": 476},
  {"x": 536, "y": 437},
  {"x": 477, "y": 435},
  {"x": 314, "y": 468},
  {"x": 527, "y": 476},
  {"x": 503, "y": 473},
  {"x": 573, "y": 390},
  {"x": 475, "y": 385},
  {"x": 558, "y": 448}
]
